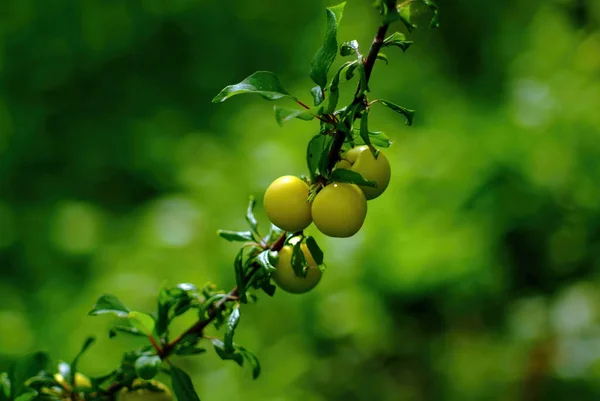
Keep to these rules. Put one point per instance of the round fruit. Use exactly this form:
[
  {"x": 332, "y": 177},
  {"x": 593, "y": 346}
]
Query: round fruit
[
  {"x": 144, "y": 394},
  {"x": 339, "y": 210},
  {"x": 286, "y": 278},
  {"x": 286, "y": 203},
  {"x": 361, "y": 160}
]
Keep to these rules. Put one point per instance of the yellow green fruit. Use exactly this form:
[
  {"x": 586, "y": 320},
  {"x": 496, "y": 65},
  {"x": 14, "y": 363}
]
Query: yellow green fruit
[
  {"x": 146, "y": 394},
  {"x": 339, "y": 210},
  {"x": 361, "y": 160},
  {"x": 286, "y": 203},
  {"x": 285, "y": 277}
]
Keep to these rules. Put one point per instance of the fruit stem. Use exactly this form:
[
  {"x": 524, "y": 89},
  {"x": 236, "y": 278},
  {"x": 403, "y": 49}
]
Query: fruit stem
[{"x": 369, "y": 62}]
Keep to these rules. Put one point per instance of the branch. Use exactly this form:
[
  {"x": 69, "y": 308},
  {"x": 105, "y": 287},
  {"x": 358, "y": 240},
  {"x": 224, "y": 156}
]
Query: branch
[
  {"x": 369, "y": 62},
  {"x": 215, "y": 309}
]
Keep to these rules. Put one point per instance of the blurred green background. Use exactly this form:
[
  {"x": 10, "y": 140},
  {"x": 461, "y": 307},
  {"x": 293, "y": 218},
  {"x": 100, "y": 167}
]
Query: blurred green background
[{"x": 475, "y": 277}]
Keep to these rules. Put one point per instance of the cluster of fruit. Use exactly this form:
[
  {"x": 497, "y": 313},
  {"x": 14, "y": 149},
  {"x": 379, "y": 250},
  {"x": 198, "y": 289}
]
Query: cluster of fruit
[{"x": 338, "y": 210}]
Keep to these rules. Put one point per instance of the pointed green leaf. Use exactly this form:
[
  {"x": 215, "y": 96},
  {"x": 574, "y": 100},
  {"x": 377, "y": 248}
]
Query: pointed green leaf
[
  {"x": 238, "y": 265},
  {"x": 399, "y": 40},
  {"x": 298, "y": 260},
  {"x": 108, "y": 303},
  {"x": 334, "y": 91},
  {"x": 383, "y": 57},
  {"x": 182, "y": 385},
  {"x": 189, "y": 350},
  {"x": 364, "y": 128},
  {"x": 267, "y": 260},
  {"x": 263, "y": 83},
  {"x": 27, "y": 396},
  {"x": 315, "y": 251},
  {"x": 326, "y": 55},
  {"x": 250, "y": 218},
  {"x": 409, "y": 114},
  {"x": 125, "y": 329},
  {"x": 253, "y": 360},
  {"x": 283, "y": 114},
  {"x": 268, "y": 288},
  {"x": 232, "y": 322},
  {"x": 86, "y": 344},
  {"x": 317, "y": 145},
  {"x": 142, "y": 321},
  {"x": 225, "y": 355},
  {"x": 378, "y": 139},
  {"x": 232, "y": 236},
  {"x": 349, "y": 176}
]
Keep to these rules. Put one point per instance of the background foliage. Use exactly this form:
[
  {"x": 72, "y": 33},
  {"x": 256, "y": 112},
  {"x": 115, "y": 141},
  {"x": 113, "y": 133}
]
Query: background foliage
[{"x": 475, "y": 277}]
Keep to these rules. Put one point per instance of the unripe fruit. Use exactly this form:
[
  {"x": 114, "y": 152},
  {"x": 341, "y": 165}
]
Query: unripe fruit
[
  {"x": 361, "y": 160},
  {"x": 339, "y": 210},
  {"x": 145, "y": 394},
  {"x": 286, "y": 278},
  {"x": 286, "y": 203}
]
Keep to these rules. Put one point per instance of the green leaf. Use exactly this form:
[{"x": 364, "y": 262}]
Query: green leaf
[
  {"x": 283, "y": 114},
  {"x": 409, "y": 12},
  {"x": 314, "y": 250},
  {"x": 253, "y": 360},
  {"x": 352, "y": 177},
  {"x": 146, "y": 366},
  {"x": 334, "y": 91},
  {"x": 190, "y": 350},
  {"x": 125, "y": 329},
  {"x": 298, "y": 260},
  {"x": 27, "y": 396},
  {"x": 86, "y": 344},
  {"x": 142, "y": 321},
  {"x": 317, "y": 145},
  {"x": 317, "y": 95},
  {"x": 399, "y": 40},
  {"x": 232, "y": 322},
  {"x": 364, "y": 128},
  {"x": 348, "y": 48},
  {"x": 182, "y": 385},
  {"x": 263, "y": 83},
  {"x": 267, "y": 260},
  {"x": 268, "y": 288},
  {"x": 383, "y": 57},
  {"x": 250, "y": 218},
  {"x": 108, "y": 303},
  {"x": 409, "y": 114},
  {"x": 232, "y": 236},
  {"x": 225, "y": 355},
  {"x": 326, "y": 54},
  {"x": 324, "y": 160},
  {"x": 238, "y": 265},
  {"x": 378, "y": 138}
]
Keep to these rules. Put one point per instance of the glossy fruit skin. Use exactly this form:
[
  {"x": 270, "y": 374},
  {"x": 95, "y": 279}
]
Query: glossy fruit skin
[
  {"x": 285, "y": 277},
  {"x": 339, "y": 210},
  {"x": 286, "y": 203},
  {"x": 361, "y": 160},
  {"x": 145, "y": 394}
]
